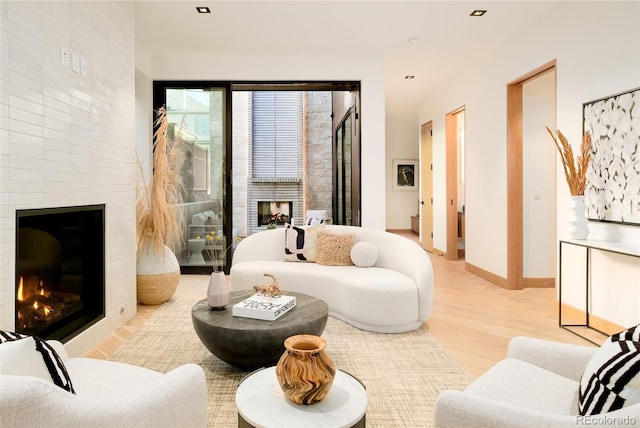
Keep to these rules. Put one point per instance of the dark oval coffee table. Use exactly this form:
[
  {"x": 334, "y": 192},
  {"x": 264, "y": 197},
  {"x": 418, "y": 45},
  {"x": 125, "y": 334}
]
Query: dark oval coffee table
[{"x": 250, "y": 343}]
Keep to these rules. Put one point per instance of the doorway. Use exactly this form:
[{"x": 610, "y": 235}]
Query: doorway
[
  {"x": 515, "y": 181},
  {"x": 456, "y": 210},
  {"x": 426, "y": 186}
]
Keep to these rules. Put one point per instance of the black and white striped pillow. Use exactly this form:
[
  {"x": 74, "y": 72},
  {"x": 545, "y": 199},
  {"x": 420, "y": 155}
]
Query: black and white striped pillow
[
  {"x": 611, "y": 380},
  {"x": 31, "y": 356},
  {"x": 294, "y": 244}
]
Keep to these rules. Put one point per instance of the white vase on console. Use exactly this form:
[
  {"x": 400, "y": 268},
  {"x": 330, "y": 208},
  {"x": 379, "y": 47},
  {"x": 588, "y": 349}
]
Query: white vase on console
[
  {"x": 218, "y": 291},
  {"x": 577, "y": 228}
]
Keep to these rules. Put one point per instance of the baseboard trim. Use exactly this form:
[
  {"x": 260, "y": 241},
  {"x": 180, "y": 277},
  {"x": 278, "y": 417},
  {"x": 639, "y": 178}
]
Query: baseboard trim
[
  {"x": 594, "y": 321},
  {"x": 502, "y": 282},
  {"x": 486, "y": 275},
  {"x": 400, "y": 231},
  {"x": 437, "y": 252},
  {"x": 539, "y": 283}
]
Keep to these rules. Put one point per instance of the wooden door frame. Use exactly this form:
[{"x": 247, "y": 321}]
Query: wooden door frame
[
  {"x": 426, "y": 203},
  {"x": 515, "y": 239},
  {"x": 451, "y": 142}
]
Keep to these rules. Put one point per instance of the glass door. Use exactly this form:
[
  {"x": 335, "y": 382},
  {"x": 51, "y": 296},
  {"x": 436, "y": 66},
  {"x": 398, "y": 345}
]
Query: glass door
[
  {"x": 343, "y": 172},
  {"x": 200, "y": 114}
]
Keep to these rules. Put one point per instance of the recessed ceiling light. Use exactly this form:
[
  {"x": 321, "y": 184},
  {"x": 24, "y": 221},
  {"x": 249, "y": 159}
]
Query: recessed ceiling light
[
  {"x": 478, "y": 12},
  {"x": 203, "y": 9},
  {"x": 409, "y": 76},
  {"x": 413, "y": 40}
]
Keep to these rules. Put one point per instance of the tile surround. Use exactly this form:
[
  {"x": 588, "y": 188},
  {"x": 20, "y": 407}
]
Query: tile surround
[{"x": 68, "y": 139}]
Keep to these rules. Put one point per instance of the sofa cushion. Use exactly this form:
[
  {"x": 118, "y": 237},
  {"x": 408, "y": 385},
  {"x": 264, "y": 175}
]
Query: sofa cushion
[
  {"x": 611, "y": 380},
  {"x": 333, "y": 249},
  {"x": 364, "y": 254},
  {"x": 23, "y": 355},
  {"x": 374, "y": 299}
]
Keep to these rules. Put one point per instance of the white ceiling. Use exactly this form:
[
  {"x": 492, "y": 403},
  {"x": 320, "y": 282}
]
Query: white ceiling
[{"x": 447, "y": 36}]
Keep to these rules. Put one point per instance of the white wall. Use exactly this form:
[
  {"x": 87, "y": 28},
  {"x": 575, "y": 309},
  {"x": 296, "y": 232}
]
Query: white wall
[
  {"x": 68, "y": 139},
  {"x": 369, "y": 71},
  {"x": 597, "y": 48},
  {"x": 402, "y": 143}
]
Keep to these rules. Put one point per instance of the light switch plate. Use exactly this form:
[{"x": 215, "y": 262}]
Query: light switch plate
[
  {"x": 75, "y": 62},
  {"x": 64, "y": 56}
]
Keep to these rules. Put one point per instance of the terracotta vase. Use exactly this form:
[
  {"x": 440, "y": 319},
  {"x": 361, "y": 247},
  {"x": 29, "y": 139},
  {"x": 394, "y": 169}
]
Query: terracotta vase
[
  {"x": 157, "y": 276},
  {"x": 305, "y": 371},
  {"x": 218, "y": 291}
]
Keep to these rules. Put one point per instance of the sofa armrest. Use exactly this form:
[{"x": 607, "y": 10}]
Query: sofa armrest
[
  {"x": 177, "y": 398},
  {"x": 456, "y": 409},
  {"x": 564, "y": 359}
]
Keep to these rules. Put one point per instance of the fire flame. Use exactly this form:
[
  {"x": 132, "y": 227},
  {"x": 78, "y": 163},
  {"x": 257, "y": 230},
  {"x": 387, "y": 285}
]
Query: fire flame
[
  {"x": 20, "y": 290},
  {"x": 44, "y": 309}
]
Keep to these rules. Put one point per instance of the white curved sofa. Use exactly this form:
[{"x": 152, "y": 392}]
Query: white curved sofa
[{"x": 394, "y": 295}]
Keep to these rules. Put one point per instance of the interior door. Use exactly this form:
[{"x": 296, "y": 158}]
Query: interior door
[
  {"x": 426, "y": 186},
  {"x": 454, "y": 129}
]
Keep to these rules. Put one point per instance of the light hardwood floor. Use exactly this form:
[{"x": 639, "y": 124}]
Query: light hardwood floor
[{"x": 472, "y": 318}]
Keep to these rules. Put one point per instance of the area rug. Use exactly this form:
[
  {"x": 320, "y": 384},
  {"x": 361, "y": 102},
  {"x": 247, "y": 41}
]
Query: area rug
[{"x": 403, "y": 373}]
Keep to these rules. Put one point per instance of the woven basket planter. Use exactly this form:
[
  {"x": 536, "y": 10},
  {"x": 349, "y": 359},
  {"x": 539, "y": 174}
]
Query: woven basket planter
[{"x": 157, "y": 276}]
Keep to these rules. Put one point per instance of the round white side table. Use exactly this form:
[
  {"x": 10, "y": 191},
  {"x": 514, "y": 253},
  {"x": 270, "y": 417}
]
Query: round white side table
[{"x": 261, "y": 403}]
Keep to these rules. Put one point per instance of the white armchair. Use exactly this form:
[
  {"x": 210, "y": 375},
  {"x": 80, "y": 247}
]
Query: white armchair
[
  {"x": 312, "y": 217},
  {"x": 535, "y": 386},
  {"x": 108, "y": 394}
]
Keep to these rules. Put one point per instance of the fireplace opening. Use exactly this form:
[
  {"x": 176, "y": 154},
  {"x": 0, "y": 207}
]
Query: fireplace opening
[
  {"x": 60, "y": 270},
  {"x": 274, "y": 212}
]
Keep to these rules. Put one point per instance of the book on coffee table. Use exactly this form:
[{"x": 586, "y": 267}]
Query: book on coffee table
[{"x": 262, "y": 307}]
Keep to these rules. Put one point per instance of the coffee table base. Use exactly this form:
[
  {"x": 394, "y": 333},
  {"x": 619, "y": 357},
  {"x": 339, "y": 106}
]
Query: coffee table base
[
  {"x": 244, "y": 424},
  {"x": 249, "y": 343}
]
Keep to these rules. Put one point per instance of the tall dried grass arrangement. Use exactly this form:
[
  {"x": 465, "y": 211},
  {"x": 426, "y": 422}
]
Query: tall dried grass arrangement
[
  {"x": 575, "y": 170},
  {"x": 158, "y": 220}
]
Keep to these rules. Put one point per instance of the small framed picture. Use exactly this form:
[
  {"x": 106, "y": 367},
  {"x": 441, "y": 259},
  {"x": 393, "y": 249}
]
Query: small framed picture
[{"x": 405, "y": 174}]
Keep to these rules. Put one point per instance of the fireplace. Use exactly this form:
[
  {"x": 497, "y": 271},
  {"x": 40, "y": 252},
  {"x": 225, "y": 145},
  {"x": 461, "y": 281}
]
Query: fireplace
[
  {"x": 60, "y": 270},
  {"x": 274, "y": 212}
]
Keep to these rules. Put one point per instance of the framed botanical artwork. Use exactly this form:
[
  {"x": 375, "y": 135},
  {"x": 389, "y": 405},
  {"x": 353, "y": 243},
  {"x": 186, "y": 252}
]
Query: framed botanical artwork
[
  {"x": 405, "y": 174},
  {"x": 612, "y": 193}
]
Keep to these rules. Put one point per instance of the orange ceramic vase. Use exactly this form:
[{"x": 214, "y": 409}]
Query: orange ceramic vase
[{"x": 305, "y": 372}]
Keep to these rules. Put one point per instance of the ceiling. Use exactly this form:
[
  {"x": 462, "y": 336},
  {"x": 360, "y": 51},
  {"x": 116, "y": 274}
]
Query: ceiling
[{"x": 447, "y": 36}]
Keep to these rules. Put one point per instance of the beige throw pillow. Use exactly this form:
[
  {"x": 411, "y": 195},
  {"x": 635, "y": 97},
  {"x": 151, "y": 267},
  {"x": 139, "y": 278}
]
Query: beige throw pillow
[
  {"x": 334, "y": 249},
  {"x": 310, "y": 242}
]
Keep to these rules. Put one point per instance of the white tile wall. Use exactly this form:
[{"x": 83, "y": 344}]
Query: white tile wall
[{"x": 68, "y": 139}]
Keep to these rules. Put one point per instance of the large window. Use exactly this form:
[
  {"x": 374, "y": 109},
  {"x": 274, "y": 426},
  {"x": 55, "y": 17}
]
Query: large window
[
  {"x": 257, "y": 153},
  {"x": 276, "y": 121}
]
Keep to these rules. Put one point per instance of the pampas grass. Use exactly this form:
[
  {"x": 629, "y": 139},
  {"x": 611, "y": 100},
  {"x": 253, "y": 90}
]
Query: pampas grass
[
  {"x": 575, "y": 170},
  {"x": 159, "y": 222}
]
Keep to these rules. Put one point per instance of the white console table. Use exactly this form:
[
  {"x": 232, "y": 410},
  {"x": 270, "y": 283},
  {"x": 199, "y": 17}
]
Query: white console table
[{"x": 590, "y": 245}]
